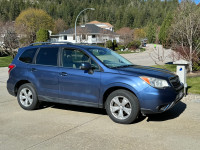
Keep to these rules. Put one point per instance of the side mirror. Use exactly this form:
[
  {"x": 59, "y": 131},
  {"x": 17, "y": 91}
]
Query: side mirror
[{"x": 85, "y": 66}]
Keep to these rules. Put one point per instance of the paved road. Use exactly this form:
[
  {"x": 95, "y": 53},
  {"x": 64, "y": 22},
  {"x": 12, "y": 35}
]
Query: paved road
[
  {"x": 70, "y": 127},
  {"x": 145, "y": 58}
]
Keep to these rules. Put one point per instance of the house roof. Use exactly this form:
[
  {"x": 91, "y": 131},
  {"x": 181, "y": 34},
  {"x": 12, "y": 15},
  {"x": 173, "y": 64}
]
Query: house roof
[
  {"x": 89, "y": 29},
  {"x": 54, "y": 36},
  {"x": 94, "y": 22},
  {"x": 108, "y": 24},
  {"x": 98, "y": 23}
]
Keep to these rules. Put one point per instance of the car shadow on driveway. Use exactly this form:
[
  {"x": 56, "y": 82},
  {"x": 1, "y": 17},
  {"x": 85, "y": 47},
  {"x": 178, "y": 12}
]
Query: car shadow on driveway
[
  {"x": 173, "y": 113},
  {"x": 74, "y": 108}
]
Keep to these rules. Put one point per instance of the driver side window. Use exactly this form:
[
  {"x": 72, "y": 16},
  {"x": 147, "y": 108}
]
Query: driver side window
[{"x": 72, "y": 58}]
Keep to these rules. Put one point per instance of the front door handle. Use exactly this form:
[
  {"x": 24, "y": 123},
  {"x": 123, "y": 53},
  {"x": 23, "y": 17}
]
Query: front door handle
[{"x": 63, "y": 74}]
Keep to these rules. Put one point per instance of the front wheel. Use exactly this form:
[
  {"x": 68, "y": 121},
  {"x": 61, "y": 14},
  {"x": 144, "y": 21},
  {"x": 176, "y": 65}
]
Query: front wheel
[
  {"x": 122, "y": 106},
  {"x": 27, "y": 97}
]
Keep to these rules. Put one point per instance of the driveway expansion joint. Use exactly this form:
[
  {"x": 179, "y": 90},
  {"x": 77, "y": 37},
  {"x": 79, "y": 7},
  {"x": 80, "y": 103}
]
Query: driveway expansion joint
[{"x": 62, "y": 133}]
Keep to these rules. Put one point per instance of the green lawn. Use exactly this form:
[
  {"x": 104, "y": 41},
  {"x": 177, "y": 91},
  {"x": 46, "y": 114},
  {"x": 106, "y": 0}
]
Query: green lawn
[
  {"x": 124, "y": 52},
  {"x": 129, "y": 51},
  {"x": 193, "y": 85},
  {"x": 169, "y": 67},
  {"x": 193, "y": 82},
  {"x": 5, "y": 61}
]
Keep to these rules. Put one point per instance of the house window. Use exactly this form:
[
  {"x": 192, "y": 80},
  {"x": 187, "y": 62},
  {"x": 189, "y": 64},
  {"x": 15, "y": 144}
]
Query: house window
[
  {"x": 93, "y": 36},
  {"x": 65, "y": 37}
]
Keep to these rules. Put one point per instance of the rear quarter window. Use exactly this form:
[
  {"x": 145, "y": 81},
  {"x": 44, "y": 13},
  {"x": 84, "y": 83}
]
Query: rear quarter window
[{"x": 28, "y": 55}]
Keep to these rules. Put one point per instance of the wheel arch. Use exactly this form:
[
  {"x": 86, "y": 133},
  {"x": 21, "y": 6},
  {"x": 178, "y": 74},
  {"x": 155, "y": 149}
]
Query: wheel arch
[
  {"x": 114, "y": 88},
  {"x": 20, "y": 83}
]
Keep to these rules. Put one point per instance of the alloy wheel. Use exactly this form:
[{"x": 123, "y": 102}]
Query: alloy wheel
[
  {"x": 120, "y": 107},
  {"x": 26, "y": 97}
]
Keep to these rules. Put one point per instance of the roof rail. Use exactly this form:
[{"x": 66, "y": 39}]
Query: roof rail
[
  {"x": 89, "y": 44},
  {"x": 50, "y": 43}
]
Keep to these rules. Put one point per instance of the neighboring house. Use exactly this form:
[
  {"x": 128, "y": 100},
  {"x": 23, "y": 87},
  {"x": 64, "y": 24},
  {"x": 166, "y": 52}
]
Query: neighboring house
[
  {"x": 104, "y": 25},
  {"x": 53, "y": 38},
  {"x": 89, "y": 33}
]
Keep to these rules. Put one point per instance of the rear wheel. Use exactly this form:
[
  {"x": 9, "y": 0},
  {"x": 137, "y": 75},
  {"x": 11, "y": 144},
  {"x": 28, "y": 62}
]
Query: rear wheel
[
  {"x": 122, "y": 106},
  {"x": 27, "y": 97}
]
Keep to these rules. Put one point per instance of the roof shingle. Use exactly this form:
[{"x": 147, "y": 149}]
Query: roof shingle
[{"x": 90, "y": 29}]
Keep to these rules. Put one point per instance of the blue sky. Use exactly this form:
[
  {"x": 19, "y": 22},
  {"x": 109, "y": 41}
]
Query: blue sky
[{"x": 196, "y": 1}]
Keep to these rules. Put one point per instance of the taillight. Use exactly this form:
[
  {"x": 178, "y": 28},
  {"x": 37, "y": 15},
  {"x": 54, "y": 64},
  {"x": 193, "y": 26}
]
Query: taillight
[{"x": 11, "y": 67}]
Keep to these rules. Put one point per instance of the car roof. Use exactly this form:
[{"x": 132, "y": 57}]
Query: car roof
[{"x": 63, "y": 45}]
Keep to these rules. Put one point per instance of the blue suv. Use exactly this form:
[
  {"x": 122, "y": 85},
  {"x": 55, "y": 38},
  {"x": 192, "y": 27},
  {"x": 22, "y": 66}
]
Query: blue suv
[{"x": 90, "y": 76}]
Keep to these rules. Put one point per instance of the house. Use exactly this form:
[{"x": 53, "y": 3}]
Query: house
[
  {"x": 93, "y": 33},
  {"x": 104, "y": 25}
]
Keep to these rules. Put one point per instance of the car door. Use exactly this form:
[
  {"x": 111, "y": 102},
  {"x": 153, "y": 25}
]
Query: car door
[
  {"x": 78, "y": 86},
  {"x": 45, "y": 72}
]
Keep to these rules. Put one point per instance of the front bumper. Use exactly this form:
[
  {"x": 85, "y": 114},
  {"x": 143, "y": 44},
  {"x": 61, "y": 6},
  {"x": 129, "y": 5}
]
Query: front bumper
[
  {"x": 163, "y": 108},
  {"x": 158, "y": 101}
]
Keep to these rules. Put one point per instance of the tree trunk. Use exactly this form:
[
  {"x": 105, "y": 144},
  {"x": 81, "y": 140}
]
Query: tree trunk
[{"x": 190, "y": 64}]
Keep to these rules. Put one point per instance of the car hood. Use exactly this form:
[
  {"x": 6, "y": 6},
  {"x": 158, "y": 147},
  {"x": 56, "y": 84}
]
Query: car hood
[{"x": 146, "y": 71}]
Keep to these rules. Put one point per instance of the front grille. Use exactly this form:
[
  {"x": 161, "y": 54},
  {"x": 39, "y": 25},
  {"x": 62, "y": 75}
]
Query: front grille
[{"x": 175, "y": 82}]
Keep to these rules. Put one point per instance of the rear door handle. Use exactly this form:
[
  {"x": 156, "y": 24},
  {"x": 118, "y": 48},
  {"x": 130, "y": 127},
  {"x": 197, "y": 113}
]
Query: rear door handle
[
  {"x": 63, "y": 74},
  {"x": 33, "y": 69}
]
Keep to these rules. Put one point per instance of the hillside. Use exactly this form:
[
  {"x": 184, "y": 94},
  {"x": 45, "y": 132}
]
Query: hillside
[{"x": 131, "y": 13}]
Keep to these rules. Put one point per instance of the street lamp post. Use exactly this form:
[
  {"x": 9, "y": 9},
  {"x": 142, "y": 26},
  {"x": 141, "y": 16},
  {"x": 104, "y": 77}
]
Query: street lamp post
[{"x": 77, "y": 19}]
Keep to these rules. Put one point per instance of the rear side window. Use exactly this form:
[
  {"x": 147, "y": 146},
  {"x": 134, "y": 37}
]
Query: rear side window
[
  {"x": 28, "y": 55},
  {"x": 47, "y": 56}
]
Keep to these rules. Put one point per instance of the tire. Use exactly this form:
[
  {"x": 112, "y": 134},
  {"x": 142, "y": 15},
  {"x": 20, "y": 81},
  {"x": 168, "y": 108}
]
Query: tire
[
  {"x": 122, "y": 106},
  {"x": 27, "y": 97}
]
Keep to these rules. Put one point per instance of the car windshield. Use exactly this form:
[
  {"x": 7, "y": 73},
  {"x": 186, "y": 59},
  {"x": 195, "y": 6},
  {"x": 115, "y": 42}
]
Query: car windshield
[{"x": 109, "y": 58}]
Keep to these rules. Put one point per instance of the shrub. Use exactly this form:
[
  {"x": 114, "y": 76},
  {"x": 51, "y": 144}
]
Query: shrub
[
  {"x": 184, "y": 52},
  {"x": 134, "y": 45},
  {"x": 101, "y": 45},
  {"x": 196, "y": 66},
  {"x": 114, "y": 43},
  {"x": 109, "y": 44},
  {"x": 120, "y": 47}
]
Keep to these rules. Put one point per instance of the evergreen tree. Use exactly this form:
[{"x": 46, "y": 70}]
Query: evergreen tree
[
  {"x": 151, "y": 33},
  {"x": 120, "y": 13},
  {"x": 42, "y": 35},
  {"x": 164, "y": 30}
]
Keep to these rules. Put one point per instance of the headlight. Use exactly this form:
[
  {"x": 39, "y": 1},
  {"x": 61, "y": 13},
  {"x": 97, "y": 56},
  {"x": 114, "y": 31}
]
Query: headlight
[{"x": 155, "y": 82}]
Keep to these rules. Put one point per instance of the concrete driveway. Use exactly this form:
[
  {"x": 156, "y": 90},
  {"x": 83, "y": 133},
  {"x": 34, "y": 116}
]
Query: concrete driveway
[
  {"x": 145, "y": 58},
  {"x": 70, "y": 127}
]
